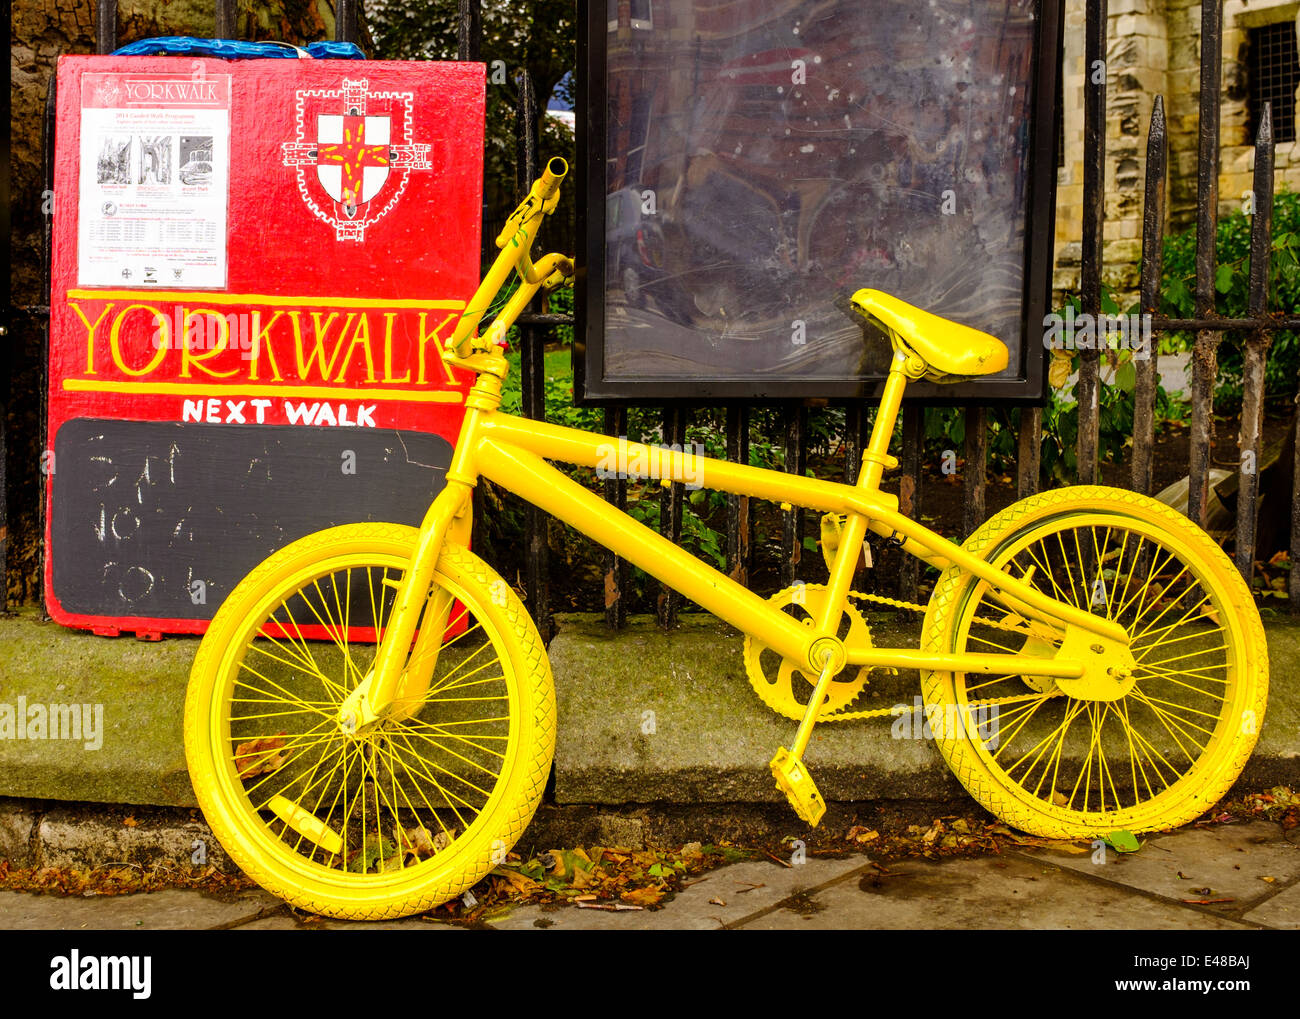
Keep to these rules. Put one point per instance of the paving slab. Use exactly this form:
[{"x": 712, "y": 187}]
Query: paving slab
[
  {"x": 720, "y": 897},
  {"x": 1276, "y": 760},
  {"x": 1009, "y": 892},
  {"x": 1230, "y": 860},
  {"x": 170, "y": 909},
  {"x": 69, "y": 838},
  {"x": 1281, "y": 911},
  {"x": 17, "y": 824}
]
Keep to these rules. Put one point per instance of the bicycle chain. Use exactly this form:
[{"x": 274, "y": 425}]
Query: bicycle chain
[{"x": 853, "y": 716}]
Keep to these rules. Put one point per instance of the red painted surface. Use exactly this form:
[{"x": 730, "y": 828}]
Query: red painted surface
[{"x": 335, "y": 307}]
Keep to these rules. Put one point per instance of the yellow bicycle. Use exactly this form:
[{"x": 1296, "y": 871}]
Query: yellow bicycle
[{"x": 370, "y": 719}]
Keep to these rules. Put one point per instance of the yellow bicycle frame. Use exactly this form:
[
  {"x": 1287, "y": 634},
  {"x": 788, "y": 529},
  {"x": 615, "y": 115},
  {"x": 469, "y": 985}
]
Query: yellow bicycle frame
[{"x": 512, "y": 452}]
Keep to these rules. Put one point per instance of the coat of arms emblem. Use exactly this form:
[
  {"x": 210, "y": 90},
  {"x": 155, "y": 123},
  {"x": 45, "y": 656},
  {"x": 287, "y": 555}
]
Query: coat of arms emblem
[{"x": 353, "y": 154}]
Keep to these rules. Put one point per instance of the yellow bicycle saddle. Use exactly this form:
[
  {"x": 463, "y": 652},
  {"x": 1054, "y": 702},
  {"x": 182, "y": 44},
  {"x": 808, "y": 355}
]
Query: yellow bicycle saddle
[{"x": 949, "y": 350}]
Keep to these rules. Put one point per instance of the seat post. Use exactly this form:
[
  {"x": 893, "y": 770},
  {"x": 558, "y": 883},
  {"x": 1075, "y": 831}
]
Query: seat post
[{"x": 882, "y": 432}]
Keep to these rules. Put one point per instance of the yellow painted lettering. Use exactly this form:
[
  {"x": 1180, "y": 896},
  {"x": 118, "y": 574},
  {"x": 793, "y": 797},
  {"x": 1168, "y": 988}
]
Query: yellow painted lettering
[
  {"x": 360, "y": 337},
  {"x": 161, "y": 344},
  {"x": 427, "y": 336},
  {"x": 388, "y": 350},
  {"x": 209, "y": 350},
  {"x": 321, "y": 333},
  {"x": 90, "y": 334},
  {"x": 262, "y": 341}
]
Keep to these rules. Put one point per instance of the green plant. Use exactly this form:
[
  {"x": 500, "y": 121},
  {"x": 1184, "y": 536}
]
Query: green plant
[
  {"x": 1115, "y": 401},
  {"x": 1232, "y": 288}
]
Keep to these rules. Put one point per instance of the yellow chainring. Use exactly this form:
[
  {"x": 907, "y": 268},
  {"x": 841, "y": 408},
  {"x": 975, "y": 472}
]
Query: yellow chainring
[{"x": 779, "y": 682}]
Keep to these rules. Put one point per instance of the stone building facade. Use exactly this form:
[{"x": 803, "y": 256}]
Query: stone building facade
[{"x": 1154, "y": 49}]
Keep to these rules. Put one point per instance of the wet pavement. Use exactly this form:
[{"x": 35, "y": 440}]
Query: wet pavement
[{"x": 1231, "y": 876}]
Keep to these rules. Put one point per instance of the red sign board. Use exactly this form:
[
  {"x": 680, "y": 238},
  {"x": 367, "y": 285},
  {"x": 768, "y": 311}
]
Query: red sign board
[{"x": 254, "y": 265}]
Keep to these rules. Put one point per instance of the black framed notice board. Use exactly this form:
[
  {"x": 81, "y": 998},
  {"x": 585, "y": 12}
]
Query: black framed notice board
[{"x": 748, "y": 165}]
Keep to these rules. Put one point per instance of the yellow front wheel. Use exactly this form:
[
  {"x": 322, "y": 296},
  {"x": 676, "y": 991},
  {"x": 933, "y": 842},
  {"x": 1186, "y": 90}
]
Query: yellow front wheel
[
  {"x": 1155, "y": 734},
  {"x": 380, "y": 820}
]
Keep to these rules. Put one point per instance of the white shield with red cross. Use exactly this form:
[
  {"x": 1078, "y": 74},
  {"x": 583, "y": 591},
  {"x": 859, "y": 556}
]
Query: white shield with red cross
[
  {"x": 358, "y": 142},
  {"x": 352, "y": 159}
]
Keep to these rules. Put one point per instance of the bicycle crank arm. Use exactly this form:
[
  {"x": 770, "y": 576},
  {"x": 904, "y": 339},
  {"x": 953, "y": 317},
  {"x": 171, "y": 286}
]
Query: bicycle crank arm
[{"x": 788, "y": 769}]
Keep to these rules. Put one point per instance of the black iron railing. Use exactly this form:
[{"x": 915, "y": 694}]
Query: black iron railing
[{"x": 1259, "y": 326}]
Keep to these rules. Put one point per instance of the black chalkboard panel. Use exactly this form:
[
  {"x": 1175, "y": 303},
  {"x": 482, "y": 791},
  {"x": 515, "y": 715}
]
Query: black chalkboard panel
[{"x": 142, "y": 510}]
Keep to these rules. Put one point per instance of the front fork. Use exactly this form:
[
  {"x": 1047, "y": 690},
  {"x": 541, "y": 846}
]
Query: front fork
[{"x": 400, "y": 676}]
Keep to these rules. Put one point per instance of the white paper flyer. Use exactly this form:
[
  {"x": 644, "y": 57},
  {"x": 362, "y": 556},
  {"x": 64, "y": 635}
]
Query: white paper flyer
[{"x": 155, "y": 170}]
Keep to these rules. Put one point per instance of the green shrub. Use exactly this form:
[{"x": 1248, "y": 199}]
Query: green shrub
[{"x": 1232, "y": 287}]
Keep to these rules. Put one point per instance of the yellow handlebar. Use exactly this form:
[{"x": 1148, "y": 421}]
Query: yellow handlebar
[
  {"x": 516, "y": 241},
  {"x": 541, "y": 201},
  {"x": 548, "y": 185}
]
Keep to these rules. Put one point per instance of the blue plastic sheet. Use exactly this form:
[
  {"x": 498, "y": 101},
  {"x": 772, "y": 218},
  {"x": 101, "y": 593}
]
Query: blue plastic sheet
[{"x": 234, "y": 49}]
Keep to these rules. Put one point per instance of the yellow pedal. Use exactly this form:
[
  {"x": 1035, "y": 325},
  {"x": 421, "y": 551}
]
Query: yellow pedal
[
  {"x": 307, "y": 825},
  {"x": 792, "y": 778}
]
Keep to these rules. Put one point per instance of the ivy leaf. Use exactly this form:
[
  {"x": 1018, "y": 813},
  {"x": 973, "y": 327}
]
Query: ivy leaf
[
  {"x": 1122, "y": 841},
  {"x": 1126, "y": 377},
  {"x": 1223, "y": 278},
  {"x": 1178, "y": 295}
]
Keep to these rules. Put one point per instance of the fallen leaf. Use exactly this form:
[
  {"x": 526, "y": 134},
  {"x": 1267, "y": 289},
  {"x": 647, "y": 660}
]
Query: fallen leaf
[
  {"x": 261, "y": 756},
  {"x": 129, "y": 822},
  {"x": 1122, "y": 841},
  {"x": 417, "y": 841},
  {"x": 648, "y": 896},
  {"x": 517, "y": 882},
  {"x": 443, "y": 839},
  {"x": 372, "y": 852},
  {"x": 1058, "y": 373}
]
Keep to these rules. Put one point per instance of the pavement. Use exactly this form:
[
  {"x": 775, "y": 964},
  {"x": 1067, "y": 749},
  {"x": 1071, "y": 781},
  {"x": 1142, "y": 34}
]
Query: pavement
[
  {"x": 1237, "y": 876},
  {"x": 660, "y": 741}
]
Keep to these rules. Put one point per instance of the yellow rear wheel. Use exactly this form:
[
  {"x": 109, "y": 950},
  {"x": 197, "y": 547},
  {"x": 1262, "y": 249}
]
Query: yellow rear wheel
[
  {"x": 1161, "y": 746},
  {"x": 390, "y": 819}
]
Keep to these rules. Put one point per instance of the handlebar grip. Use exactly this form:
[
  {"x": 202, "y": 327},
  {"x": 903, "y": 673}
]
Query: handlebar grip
[{"x": 549, "y": 183}]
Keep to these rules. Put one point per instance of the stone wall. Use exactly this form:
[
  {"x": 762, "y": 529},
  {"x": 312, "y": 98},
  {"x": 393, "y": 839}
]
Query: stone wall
[{"x": 1154, "y": 48}]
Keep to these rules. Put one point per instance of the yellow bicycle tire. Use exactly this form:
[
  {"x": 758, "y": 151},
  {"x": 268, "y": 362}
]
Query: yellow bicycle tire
[
  {"x": 1242, "y": 676},
  {"x": 250, "y": 836}
]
